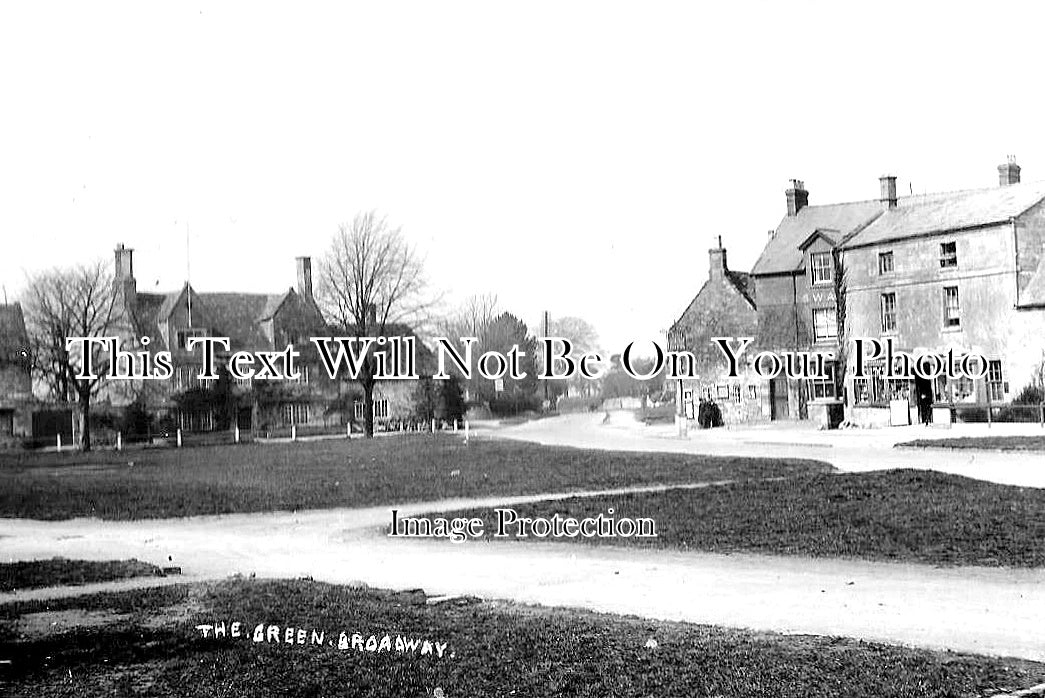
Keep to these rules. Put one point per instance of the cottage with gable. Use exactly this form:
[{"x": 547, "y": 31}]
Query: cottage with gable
[
  {"x": 723, "y": 307},
  {"x": 252, "y": 322}
]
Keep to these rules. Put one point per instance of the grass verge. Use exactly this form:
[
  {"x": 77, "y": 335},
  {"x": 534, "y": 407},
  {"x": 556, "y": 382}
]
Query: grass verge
[
  {"x": 900, "y": 515},
  {"x": 60, "y": 571},
  {"x": 992, "y": 443},
  {"x": 150, "y": 646},
  {"x": 336, "y": 473}
]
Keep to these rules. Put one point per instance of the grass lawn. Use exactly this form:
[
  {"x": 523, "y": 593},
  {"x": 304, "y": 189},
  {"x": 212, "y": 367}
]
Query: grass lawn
[
  {"x": 994, "y": 443},
  {"x": 59, "y": 571},
  {"x": 904, "y": 515},
  {"x": 146, "y": 643},
  {"x": 335, "y": 473}
]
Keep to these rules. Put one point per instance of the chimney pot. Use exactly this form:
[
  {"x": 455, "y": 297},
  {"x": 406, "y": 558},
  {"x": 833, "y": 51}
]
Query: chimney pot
[
  {"x": 123, "y": 278},
  {"x": 797, "y": 197},
  {"x": 717, "y": 267},
  {"x": 1008, "y": 173},
  {"x": 888, "y": 187}
]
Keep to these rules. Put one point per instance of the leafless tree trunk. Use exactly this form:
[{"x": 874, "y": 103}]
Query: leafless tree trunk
[
  {"x": 371, "y": 279},
  {"x": 79, "y": 301}
]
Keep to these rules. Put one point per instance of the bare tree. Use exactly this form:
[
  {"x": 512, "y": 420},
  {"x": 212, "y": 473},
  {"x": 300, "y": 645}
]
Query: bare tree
[
  {"x": 370, "y": 279},
  {"x": 80, "y": 301},
  {"x": 471, "y": 318},
  {"x": 583, "y": 339}
]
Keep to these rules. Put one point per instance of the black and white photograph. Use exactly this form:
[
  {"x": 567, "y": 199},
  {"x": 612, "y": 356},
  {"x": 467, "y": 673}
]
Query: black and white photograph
[{"x": 468, "y": 349}]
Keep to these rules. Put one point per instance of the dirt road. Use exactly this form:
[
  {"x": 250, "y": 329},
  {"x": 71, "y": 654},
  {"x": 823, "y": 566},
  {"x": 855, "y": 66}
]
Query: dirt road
[{"x": 991, "y": 611}]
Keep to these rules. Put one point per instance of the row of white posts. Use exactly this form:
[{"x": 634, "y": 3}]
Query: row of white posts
[{"x": 236, "y": 433}]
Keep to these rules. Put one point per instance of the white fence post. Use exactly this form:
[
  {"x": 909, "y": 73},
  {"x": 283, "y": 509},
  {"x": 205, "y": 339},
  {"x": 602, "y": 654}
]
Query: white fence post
[
  {"x": 348, "y": 430},
  {"x": 293, "y": 432},
  {"x": 433, "y": 425},
  {"x": 237, "y": 433},
  {"x": 179, "y": 438},
  {"x": 119, "y": 441},
  {"x": 59, "y": 442}
]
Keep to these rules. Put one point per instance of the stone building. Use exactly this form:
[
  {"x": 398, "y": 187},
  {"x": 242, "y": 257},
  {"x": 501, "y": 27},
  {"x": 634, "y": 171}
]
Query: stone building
[
  {"x": 16, "y": 384},
  {"x": 724, "y": 306},
  {"x": 944, "y": 274},
  {"x": 961, "y": 271},
  {"x": 794, "y": 278},
  {"x": 954, "y": 272},
  {"x": 253, "y": 322}
]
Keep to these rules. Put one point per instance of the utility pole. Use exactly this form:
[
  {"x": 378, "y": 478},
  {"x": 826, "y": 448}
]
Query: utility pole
[{"x": 546, "y": 400}]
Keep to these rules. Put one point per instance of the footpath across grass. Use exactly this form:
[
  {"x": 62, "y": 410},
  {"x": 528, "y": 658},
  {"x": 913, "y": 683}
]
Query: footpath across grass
[
  {"x": 897, "y": 515},
  {"x": 149, "y": 643},
  {"x": 60, "y": 571},
  {"x": 991, "y": 443},
  {"x": 337, "y": 473}
]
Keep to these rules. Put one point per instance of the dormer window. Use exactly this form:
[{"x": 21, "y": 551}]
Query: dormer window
[{"x": 821, "y": 268}]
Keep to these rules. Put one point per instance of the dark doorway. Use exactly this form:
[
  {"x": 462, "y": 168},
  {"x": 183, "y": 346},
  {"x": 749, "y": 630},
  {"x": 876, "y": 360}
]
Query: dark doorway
[
  {"x": 923, "y": 394},
  {"x": 7, "y": 422},
  {"x": 778, "y": 398}
]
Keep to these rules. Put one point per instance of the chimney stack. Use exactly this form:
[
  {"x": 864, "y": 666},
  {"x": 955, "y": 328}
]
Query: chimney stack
[
  {"x": 1009, "y": 173},
  {"x": 304, "y": 267},
  {"x": 717, "y": 261},
  {"x": 797, "y": 197},
  {"x": 888, "y": 185},
  {"x": 123, "y": 277}
]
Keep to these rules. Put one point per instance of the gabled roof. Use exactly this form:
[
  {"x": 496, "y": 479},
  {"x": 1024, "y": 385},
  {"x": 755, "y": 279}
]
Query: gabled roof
[
  {"x": 831, "y": 236},
  {"x": 738, "y": 280},
  {"x": 237, "y": 315},
  {"x": 273, "y": 303},
  {"x": 928, "y": 214},
  {"x": 240, "y": 316},
  {"x": 742, "y": 282},
  {"x": 782, "y": 254}
]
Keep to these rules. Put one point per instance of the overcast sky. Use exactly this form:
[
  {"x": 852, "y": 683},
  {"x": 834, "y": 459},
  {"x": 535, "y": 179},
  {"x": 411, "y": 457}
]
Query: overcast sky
[{"x": 579, "y": 157}]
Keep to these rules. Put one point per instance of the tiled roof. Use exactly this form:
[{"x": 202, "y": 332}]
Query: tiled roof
[
  {"x": 868, "y": 222},
  {"x": 272, "y": 305},
  {"x": 915, "y": 216},
  {"x": 237, "y": 315},
  {"x": 782, "y": 253}
]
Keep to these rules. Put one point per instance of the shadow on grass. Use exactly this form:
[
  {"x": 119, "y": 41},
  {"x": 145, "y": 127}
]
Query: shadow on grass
[{"x": 492, "y": 649}]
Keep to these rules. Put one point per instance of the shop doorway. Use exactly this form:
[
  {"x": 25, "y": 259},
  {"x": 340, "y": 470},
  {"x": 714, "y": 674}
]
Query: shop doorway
[{"x": 923, "y": 395}]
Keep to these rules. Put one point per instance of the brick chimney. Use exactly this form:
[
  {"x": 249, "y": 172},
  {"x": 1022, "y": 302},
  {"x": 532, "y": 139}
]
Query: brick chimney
[
  {"x": 123, "y": 277},
  {"x": 304, "y": 268},
  {"x": 797, "y": 197},
  {"x": 888, "y": 187},
  {"x": 717, "y": 261},
  {"x": 1009, "y": 173}
]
